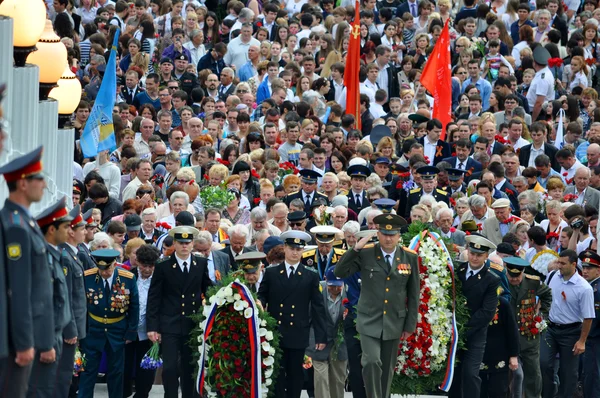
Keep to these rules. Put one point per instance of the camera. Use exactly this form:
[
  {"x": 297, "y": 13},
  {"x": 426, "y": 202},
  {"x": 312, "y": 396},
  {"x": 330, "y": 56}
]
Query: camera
[{"x": 577, "y": 224}]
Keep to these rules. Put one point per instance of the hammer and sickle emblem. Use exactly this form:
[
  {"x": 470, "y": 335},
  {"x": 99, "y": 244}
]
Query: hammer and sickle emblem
[{"x": 356, "y": 31}]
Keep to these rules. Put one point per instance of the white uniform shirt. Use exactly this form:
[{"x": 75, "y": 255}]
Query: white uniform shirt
[{"x": 542, "y": 84}]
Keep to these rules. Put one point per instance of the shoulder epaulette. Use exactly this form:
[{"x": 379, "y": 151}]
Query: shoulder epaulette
[
  {"x": 344, "y": 192},
  {"x": 415, "y": 190},
  {"x": 322, "y": 194},
  {"x": 441, "y": 191},
  {"x": 369, "y": 245},
  {"x": 497, "y": 267},
  {"x": 90, "y": 271},
  {"x": 337, "y": 250},
  {"x": 406, "y": 249},
  {"x": 309, "y": 253},
  {"x": 292, "y": 193},
  {"x": 273, "y": 266},
  {"x": 125, "y": 273},
  {"x": 16, "y": 218},
  {"x": 311, "y": 269},
  {"x": 533, "y": 277},
  {"x": 338, "y": 242}
]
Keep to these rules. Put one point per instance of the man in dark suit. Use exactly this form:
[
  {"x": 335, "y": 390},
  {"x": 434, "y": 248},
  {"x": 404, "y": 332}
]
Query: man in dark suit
[
  {"x": 238, "y": 235},
  {"x": 226, "y": 88},
  {"x": 539, "y": 146},
  {"x": 308, "y": 193},
  {"x": 175, "y": 293},
  {"x": 213, "y": 59},
  {"x": 357, "y": 196},
  {"x": 290, "y": 293},
  {"x": 556, "y": 22},
  {"x": 30, "y": 310},
  {"x": 218, "y": 260},
  {"x": 502, "y": 184},
  {"x": 435, "y": 150},
  {"x": 462, "y": 160},
  {"x": 270, "y": 14},
  {"x": 479, "y": 287},
  {"x": 411, "y": 7},
  {"x": 429, "y": 187},
  {"x": 131, "y": 88}
]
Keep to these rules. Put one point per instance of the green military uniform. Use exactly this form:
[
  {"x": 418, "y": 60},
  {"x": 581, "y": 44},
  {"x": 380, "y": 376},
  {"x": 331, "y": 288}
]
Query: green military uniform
[
  {"x": 388, "y": 303},
  {"x": 524, "y": 305}
]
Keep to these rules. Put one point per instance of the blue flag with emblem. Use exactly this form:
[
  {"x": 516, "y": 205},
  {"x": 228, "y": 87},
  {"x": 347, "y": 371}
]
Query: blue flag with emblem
[{"x": 99, "y": 132}]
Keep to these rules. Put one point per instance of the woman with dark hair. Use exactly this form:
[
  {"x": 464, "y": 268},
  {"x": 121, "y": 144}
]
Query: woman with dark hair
[
  {"x": 93, "y": 177},
  {"x": 211, "y": 30},
  {"x": 496, "y": 102},
  {"x": 254, "y": 141},
  {"x": 338, "y": 162},
  {"x": 328, "y": 143},
  {"x": 368, "y": 52},
  {"x": 230, "y": 154},
  {"x": 63, "y": 26},
  {"x": 250, "y": 185},
  {"x": 233, "y": 212},
  {"x": 525, "y": 39},
  {"x": 147, "y": 111},
  {"x": 145, "y": 35}
]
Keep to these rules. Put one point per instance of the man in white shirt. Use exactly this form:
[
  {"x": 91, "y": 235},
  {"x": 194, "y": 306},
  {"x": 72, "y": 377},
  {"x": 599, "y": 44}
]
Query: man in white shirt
[
  {"x": 196, "y": 46},
  {"x": 542, "y": 86},
  {"x": 515, "y": 129},
  {"x": 143, "y": 174},
  {"x": 108, "y": 171},
  {"x": 568, "y": 164},
  {"x": 237, "y": 50},
  {"x": 141, "y": 142}
]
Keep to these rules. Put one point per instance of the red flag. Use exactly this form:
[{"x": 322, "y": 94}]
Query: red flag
[
  {"x": 437, "y": 79},
  {"x": 352, "y": 69}
]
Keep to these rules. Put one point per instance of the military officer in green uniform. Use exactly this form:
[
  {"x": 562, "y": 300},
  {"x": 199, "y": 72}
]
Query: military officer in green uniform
[
  {"x": 428, "y": 187},
  {"x": 325, "y": 255},
  {"x": 29, "y": 290},
  {"x": 388, "y": 306},
  {"x": 113, "y": 309},
  {"x": 525, "y": 289}
]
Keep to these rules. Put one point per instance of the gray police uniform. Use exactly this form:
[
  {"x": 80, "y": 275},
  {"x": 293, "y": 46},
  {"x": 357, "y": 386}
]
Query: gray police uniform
[
  {"x": 3, "y": 309},
  {"x": 30, "y": 302},
  {"x": 542, "y": 84}
]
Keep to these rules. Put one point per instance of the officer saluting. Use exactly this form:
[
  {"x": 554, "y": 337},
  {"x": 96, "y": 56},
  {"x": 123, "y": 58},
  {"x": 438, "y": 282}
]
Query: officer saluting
[
  {"x": 479, "y": 286},
  {"x": 429, "y": 187},
  {"x": 113, "y": 309},
  {"x": 251, "y": 264},
  {"x": 590, "y": 262},
  {"x": 389, "y": 300},
  {"x": 325, "y": 255},
  {"x": 176, "y": 290},
  {"x": 289, "y": 292},
  {"x": 75, "y": 330},
  {"x": 28, "y": 274},
  {"x": 525, "y": 289}
]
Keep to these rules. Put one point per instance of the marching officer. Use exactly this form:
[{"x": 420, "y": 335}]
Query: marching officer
[
  {"x": 525, "y": 289},
  {"x": 55, "y": 225},
  {"x": 502, "y": 352},
  {"x": 325, "y": 255},
  {"x": 75, "y": 330},
  {"x": 252, "y": 265},
  {"x": 389, "y": 300},
  {"x": 176, "y": 290},
  {"x": 113, "y": 309},
  {"x": 590, "y": 262},
  {"x": 309, "y": 192},
  {"x": 479, "y": 286},
  {"x": 428, "y": 187},
  {"x": 29, "y": 290},
  {"x": 357, "y": 196},
  {"x": 290, "y": 293}
]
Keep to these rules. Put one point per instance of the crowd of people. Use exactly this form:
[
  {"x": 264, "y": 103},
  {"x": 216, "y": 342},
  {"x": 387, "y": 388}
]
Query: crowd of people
[{"x": 250, "y": 97}]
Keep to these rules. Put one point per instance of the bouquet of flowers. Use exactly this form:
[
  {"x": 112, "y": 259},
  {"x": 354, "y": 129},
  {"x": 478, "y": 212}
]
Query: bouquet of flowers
[
  {"x": 307, "y": 364},
  {"x": 79, "y": 363},
  {"x": 216, "y": 197},
  {"x": 571, "y": 197},
  {"x": 152, "y": 359},
  {"x": 286, "y": 168}
]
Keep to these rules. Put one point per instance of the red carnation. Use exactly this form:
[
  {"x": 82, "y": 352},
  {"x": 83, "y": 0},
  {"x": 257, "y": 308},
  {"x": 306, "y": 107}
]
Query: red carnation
[
  {"x": 509, "y": 191},
  {"x": 224, "y": 162},
  {"x": 256, "y": 201},
  {"x": 254, "y": 174}
]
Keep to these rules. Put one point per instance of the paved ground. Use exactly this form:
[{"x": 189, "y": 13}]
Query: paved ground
[{"x": 157, "y": 392}]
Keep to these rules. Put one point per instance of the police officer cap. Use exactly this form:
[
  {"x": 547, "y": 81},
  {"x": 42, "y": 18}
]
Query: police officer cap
[
  {"x": 184, "y": 234},
  {"x": 166, "y": 60},
  {"x": 296, "y": 216},
  {"x": 185, "y": 218},
  {"x": 57, "y": 212},
  {"x": 104, "y": 258},
  {"x": 479, "y": 244},
  {"x": 378, "y": 132},
  {"x": 589, "y": 258},
  {"x": 181, "y": 57},
  {"x": 469, "y": 226},
  {"x": 428, "y": 172},
  {"x": 250, "y": 262},
  {"x": 383, "y": 160},
  {"x": 87, "y": 217},
  {"x": 541, "y": 55},
  {"x": 455, "y": 174},
  {"x": 421, "y": 116},
  {"x": 500, "y": 203},
  {"x": 77, "y": 220},
  {"x": 385, "y": 205},
  {"x": 270, "y": 243},
  {"x": 324, "y": 233},
  {"x": 133, "y": 222},
  {"x": 331, "y": 279},
  {"x": 77, "y": 186},
  {"x": 358, "y": 170},
  {"x": 310, "y": 176},
  {"x": 295, "y": 238},
  {"x": 319, "y": 201},
  {"x": 389, "y": 224},
  {"x": 26, "y": 166},
  {"x": 515, "y": 265}
]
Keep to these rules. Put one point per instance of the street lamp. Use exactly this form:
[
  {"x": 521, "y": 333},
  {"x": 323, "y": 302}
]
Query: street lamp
[
  {"x": 28, "y": 24},
  {"x": 50, "y": 58},
  {"x": 68, "y": 95}
]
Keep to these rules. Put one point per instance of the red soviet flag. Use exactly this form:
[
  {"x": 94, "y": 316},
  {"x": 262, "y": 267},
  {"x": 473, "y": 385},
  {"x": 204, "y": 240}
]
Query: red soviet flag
[
  {"x": 352, "y": 69},
  {"x": 436, "y": 78}
]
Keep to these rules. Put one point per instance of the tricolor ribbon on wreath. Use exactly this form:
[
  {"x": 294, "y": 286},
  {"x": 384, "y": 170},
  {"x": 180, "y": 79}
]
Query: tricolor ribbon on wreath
[{"x": 254, "y": 339}]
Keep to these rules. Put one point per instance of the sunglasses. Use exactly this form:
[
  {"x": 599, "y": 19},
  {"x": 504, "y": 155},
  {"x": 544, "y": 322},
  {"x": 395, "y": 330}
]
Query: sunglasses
[
  {"x": 144, "y": 192},
  {"x": 296, "y": 224}
]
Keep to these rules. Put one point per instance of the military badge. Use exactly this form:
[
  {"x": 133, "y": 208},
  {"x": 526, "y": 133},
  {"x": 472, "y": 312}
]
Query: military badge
[
  {"x": 14, "y": 251},
  {"x": 65, "y": 270},
  {"x": 310, "y": 261}
]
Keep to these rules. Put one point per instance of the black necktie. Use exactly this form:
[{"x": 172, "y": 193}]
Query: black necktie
[
  {"x": 388, "y": 261},
  {"x": 470, "y": 274},
  {"x": 358, "y": 200},
  {"x": 291, "y": 272},
  {"x": 307, "y": 201},
  {"x": 460, "y": 165},
  {"x": 185, "y": 268},
  {"x": 106, "y": 288}
]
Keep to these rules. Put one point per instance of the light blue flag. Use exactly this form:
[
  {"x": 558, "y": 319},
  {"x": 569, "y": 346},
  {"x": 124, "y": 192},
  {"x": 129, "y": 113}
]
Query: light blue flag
[{"x": 99, "y": 132}]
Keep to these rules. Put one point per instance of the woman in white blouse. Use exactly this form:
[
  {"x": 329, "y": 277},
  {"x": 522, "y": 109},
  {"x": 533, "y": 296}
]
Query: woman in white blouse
[{"x": 580, "y": 73}]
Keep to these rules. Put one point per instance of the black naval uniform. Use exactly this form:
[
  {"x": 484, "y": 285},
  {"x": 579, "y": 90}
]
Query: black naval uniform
[
  {"x": 504, "y": 334},
  {"x": 356, "y": 207},
  {"x": 414, "y": 196},
  {"x": 302, "y": 196},
  {"x": 30, "y": 303},
  {"x": 172, "y": 298},
  {"x": 482, "y": 298},
  {"x": 43, "y": 375},
  {"x": 289, "y": 301}
]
